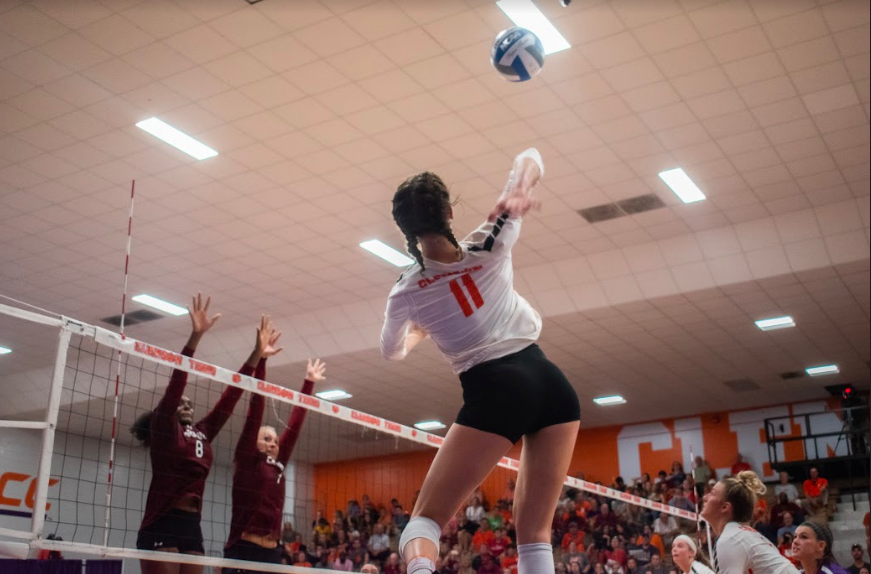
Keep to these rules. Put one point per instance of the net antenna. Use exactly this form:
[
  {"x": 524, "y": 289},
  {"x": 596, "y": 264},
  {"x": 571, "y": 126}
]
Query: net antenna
[{"x": 119, "y": 362}]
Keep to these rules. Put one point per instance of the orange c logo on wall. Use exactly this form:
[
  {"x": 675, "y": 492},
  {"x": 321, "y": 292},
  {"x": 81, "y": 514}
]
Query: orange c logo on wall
[{"x": 17, "y": 492}]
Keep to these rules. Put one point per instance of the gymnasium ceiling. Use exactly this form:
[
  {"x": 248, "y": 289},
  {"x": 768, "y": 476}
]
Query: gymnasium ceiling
[{"x": 319, "y": 109}]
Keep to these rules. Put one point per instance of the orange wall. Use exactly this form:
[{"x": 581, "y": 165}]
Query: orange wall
[{"x": 597, "y": 457}]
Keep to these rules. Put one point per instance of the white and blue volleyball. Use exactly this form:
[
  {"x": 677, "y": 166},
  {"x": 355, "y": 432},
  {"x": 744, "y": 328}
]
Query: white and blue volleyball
[{"x": 517, "y": 54}]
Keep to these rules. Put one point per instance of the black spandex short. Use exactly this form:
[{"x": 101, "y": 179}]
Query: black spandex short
[
  {"x": 175, "y": 529},
  {"x": 244, "y": 550},
  {"x": 516, "y": 395}
]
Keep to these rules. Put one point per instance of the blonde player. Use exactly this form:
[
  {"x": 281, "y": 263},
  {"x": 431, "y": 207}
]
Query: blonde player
[
  {"x": 740, "y": 549},
  {"x": 462, "y": 295}
]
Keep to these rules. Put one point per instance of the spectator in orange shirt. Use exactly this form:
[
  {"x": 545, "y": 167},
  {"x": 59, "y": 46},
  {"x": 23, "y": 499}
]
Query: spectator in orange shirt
[
  {"x": 573, "y": 535},
  {"x": 867, "y": 523},
  {"x": 740, "y": 465},
  {"x": 655, "y": 539},
  {"x": 509, "y": 559},
  {"x": 301, "y": 561},
  {"x": 816, "y": 489},
  {"x": 484, "y": 535}
]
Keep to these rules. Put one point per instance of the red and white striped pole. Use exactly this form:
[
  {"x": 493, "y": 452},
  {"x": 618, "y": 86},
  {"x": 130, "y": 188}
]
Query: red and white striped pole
[{"x": 118, "y": 370}]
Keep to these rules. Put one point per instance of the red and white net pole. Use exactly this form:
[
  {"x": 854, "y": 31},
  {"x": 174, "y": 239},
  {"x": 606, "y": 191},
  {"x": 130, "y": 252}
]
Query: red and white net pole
[{"x": 109, "y": 484}]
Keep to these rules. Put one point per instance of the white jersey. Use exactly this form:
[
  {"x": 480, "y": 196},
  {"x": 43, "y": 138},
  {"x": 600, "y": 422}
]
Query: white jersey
[
  {"x": 699, "y": 568},
  {"x": 469, "y": 308},
  {"x": 742, "y": 550}
]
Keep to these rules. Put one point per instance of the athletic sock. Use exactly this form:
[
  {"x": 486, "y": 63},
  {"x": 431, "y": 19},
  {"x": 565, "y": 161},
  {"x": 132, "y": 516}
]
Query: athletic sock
[
  {"x": 421, "y": 565},
  {"x": 533, "y": 559}
]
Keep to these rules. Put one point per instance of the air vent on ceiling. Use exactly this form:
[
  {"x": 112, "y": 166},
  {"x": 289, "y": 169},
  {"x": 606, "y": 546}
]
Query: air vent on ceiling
[
  {"x": 602, "y": 212},
  {"x": 742, "y": 385},
  {"x": 793, "y": 375},
  {"x": 631, "y": 206},
  {"x": 641, "y": 203},
  {"x": 140, "y": 316}
]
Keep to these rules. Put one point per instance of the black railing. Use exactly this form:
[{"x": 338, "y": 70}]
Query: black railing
[{"x": 853, "y": 434}]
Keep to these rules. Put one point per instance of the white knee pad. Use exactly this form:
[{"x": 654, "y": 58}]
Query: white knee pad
[
  {"x": 420, "y": 527},
  {"x": 535, "y": 559}
]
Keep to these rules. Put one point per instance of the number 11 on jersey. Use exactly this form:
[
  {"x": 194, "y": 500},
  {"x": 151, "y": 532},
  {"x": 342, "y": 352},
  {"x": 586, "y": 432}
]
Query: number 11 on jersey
[{"x": 460, "y": 295}]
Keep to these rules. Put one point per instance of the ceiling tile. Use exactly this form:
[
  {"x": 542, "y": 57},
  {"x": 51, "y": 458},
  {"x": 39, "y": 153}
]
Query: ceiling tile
[
  {"x": 160, "y": 18},
  {"x": 810, "y": 53},
  {"x": 754, "y": 69},
  {"x": 158, "y": 60},
  {"x": 31, "y": 26},
  {"x": 831, "y": 99},
  {"x": 116, "y": 35},
  {"x": 378, "y": 20},
  {"x": 722, "y": 18},
  {"x": 200, "y": 44},
  {"x": 273, "y": 53},
  {"x": 246, "y": 28},
  {"x": 35, "y": 67},
  {"x": 460, "y": 30},
  {"x": 795, "y": 29},
  {"x": 612, "y": 50},
  {"x": 685, "y": 60},
  {"x": 329, "y": 37}
]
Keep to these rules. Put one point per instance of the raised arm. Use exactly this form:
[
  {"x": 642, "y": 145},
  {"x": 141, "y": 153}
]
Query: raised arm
[
  {"x": 264, "y": 347},
  {"x": 215, "y": 420},
  {"x": 516, "y": 199},
  {"x": 314, "y": 374},
  {"x": 200, "y": 323}
]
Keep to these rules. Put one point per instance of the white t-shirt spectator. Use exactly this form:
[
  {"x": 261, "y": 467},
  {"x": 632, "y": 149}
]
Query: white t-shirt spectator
[
  {"x": 475, "y": 513},
  {"x": 379, "y": 543}
]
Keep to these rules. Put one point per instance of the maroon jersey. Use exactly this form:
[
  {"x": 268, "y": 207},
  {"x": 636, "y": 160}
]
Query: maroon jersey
[
  {"x": 181, "y": 455},
  {"x": 258, "y": 479}
]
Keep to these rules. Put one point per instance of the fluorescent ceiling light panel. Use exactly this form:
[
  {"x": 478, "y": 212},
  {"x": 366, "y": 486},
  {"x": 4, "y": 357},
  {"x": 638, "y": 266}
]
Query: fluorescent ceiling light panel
[
  {"x": 160, "y": 305},
  {"x": 608, "y": 401},
  {"x": 823, "y": 370},
  {"x": 387, "y": 253},
  {"x": 682, "y": 185},
  {"x": 526, "y": 15},
  {"x": 775, "y": 323},
  {"x": 176, "y": 138},
  {"x": 5, "y": 350},
  {"x": 335, "y": 395},
  {"x": 429, "y": 425}
]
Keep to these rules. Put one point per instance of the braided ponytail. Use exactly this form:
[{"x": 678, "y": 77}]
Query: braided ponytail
[
  {"x": 414, "y": 250},
  {"x": 421, "y": 206}
]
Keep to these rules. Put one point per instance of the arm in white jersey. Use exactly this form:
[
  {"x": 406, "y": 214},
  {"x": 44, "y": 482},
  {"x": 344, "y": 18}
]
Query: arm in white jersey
[
  {"x": 731, "y": 557},
  {"x": 516, "y": 198},
  {"x": 397, "y": 323}
]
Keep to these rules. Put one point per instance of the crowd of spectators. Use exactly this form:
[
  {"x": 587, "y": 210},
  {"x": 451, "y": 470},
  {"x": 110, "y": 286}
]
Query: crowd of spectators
[{"x": 591, "y": 534}]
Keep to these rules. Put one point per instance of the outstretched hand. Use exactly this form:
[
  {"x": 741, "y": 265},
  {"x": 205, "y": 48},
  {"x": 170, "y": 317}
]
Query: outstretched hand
[
  {"x": 266, "y": 337},
  {"x": 271, "y": 347},
  {"x": 315, "y": 371},
  {"x": 516, "y": 199},
  {"x": 199, "y": 314}
]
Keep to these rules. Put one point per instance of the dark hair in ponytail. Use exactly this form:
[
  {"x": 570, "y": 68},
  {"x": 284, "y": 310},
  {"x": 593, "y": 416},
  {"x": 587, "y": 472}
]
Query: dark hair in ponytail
[
  {"x": 824, "y": 534},
  {"x": 422, "y": 206},
  {"x": 141, "y": 429}
]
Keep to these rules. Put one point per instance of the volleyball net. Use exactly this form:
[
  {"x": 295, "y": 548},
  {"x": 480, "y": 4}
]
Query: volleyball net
[{"x": 69, "y": 450}]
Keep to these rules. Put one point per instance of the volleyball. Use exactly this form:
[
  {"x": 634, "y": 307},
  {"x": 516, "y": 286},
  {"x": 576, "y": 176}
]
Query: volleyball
[{"x": 517, "y": 54}]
